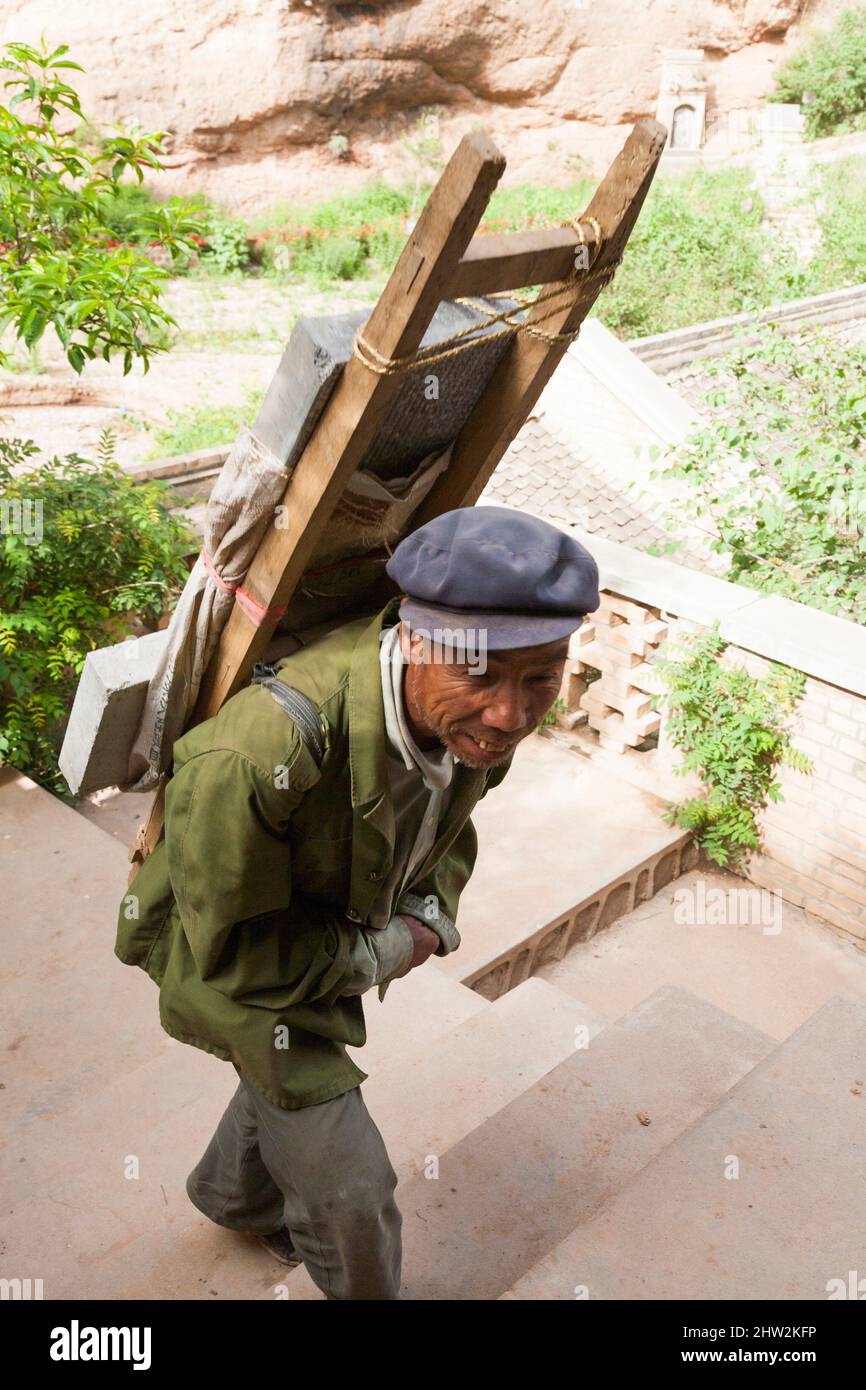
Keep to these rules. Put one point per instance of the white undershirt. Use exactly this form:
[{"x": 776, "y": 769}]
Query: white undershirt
[{"x": 420, "y": 782}]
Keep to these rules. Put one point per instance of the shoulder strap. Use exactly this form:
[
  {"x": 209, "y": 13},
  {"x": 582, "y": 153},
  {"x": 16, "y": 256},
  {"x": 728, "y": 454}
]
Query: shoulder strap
[{"x": 297, "y": 705}]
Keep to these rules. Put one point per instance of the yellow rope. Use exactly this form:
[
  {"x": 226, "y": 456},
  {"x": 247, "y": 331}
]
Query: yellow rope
[{"x": 450, "y": 347}]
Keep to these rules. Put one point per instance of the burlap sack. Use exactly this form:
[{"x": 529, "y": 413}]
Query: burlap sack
[
  {"x": 372, "y": 513},
  {"x": 241, "y": 506}
]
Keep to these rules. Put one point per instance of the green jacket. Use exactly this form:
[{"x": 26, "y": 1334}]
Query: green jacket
[{"x": 246, "y": 911}]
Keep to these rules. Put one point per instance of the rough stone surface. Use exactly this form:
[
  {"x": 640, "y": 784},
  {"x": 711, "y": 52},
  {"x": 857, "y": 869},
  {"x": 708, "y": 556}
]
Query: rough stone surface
[
  {"x": 252, "y": 91},
  {"x": 426, "y": 415}
]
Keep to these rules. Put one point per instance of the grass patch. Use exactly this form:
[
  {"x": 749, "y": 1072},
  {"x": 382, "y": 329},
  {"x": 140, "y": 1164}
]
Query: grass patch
[
  {"x": 343, "y": 238},
  {"x": 842, "y": 258},
  {"x": 698, "y": 251},
  {"x": 204, "y": 426}
]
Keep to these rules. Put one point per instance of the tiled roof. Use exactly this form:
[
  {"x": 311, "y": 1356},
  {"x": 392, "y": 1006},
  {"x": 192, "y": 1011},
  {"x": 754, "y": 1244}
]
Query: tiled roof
[{"x": 549, "y": 476}]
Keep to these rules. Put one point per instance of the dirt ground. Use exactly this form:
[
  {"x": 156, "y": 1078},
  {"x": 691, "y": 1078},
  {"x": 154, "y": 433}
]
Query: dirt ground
[{"x": 229, "y": 338}]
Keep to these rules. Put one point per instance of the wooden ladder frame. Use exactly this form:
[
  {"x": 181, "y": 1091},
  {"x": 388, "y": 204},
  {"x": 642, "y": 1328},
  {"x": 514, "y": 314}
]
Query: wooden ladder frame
[{"x": 442, "y": 259}]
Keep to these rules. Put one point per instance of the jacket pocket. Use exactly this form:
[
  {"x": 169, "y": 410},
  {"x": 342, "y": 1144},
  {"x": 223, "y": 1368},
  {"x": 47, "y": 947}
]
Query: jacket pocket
[{"x": 322, "y": 867}]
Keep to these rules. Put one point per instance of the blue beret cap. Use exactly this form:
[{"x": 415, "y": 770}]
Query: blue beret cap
[{"x": 521, "y": 580}]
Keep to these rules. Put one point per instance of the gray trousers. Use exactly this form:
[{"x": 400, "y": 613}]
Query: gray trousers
[{"x": 323, "y": 1172}]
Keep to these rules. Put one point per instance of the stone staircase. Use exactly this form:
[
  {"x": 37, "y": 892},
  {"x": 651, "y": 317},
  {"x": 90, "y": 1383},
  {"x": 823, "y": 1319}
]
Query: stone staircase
[
  {"x": 543, "y": 1144},
  {"x": 690, "y": 1226}
]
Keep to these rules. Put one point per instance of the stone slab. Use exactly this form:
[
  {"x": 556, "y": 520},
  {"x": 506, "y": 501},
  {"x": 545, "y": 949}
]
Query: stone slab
[
  {"x": 106, "y": 713},
  {"x": 547, "y": 1161},
  {"x": 417, "y": 423},
  {"x": 790, "y": 1223}
]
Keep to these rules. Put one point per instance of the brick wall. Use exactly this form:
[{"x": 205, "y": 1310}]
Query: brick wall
[{"x": 814, "y": 841}]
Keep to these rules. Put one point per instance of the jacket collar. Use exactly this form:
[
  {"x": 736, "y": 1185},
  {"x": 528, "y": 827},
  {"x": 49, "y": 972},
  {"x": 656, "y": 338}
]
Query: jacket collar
[
  {"x": 367, "y": 741},
  {"x": 373, "y": 811}
]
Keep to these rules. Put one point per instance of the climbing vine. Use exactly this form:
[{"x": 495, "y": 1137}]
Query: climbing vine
[{"x": 731, "y": 728}]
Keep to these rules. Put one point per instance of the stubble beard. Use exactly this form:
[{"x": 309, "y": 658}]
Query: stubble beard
[{"x": 441, "y": 729}]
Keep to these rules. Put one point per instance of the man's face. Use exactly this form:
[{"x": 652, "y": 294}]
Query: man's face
[{"x": 480, "y": 717}]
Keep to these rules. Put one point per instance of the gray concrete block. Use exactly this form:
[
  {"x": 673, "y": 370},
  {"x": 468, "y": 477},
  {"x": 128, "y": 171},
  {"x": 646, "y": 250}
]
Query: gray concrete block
[
  {"x": 106, "y": 712},
  {"x": 424, "y": 417}
]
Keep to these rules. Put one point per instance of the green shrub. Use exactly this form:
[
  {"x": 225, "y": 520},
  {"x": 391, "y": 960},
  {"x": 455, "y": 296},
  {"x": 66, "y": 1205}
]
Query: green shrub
[
  {"x": 226, "y": 245},
  {"x": 221, "y": 244},
  {"x": 81, "y": 549},
  {"x": 61, "y": 267},
  {"x": 780, "y": 467},
  {"x": 831, "y": 72},
  {"x": 128, "y": 210},
  {"x": 731, "y": 730}
]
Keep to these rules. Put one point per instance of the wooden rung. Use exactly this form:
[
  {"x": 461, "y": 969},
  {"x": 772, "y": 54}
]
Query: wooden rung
[
  {"x": 529, "y": 361},
  {"x": 510, "y": 260}
]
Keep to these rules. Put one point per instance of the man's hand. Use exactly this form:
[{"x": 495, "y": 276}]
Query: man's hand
[{"x": 426, "y": 942}]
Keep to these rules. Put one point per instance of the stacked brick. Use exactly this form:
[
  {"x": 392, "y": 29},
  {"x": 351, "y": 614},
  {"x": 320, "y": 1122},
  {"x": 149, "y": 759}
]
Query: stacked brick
[
  {"x": 616, "y": 642},
  {"x": 814, "y": 841}
]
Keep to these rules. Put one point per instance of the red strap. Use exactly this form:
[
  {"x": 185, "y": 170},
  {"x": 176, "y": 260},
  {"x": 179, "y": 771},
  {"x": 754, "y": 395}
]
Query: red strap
[{"x": 257, "y": 613}]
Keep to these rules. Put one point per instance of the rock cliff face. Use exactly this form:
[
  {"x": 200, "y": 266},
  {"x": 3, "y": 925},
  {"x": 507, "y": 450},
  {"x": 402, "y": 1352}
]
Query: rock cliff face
[{"x": 253, "y": 92}]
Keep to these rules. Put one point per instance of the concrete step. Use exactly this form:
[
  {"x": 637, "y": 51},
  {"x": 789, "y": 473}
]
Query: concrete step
[
  {"x": 155, "y": 1077},
  {"x": 427, "y": 1103},
  {"x": 168, "y": 1250},
  {"x": 70, "y": 1207},
  {"x": 794, "y": 1218},
  {"x": 62, "y": 882},
  {"x": 52, "y": 858},
  {"x": 416, "y": 1011},
  {"x": 90, "y": 1078},
  {"x": 68, "y": 1002},
  {"x": 435, "y": 1095},
  {"x": 564, "y": 850},
  {"x": 506, "y": 1192},
  {"x": 120, "y": 814},
  {"x": 758, "y": 958}
]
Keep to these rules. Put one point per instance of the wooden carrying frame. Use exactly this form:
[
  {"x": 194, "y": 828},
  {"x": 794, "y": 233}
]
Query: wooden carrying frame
[{"x": 442, "y": 259}]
